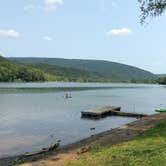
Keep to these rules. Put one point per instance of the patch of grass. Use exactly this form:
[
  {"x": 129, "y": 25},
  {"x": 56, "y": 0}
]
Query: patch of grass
[
  {"x": 148, "y": 149},
  {"x": 95, "y": 148}
]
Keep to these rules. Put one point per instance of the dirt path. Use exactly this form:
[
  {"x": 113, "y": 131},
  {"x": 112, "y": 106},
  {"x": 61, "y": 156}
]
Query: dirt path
[{"x": 73, "y": 151}]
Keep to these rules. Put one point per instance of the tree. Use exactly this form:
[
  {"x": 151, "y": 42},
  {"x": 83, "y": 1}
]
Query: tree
[{"x": 151, "y": 8}]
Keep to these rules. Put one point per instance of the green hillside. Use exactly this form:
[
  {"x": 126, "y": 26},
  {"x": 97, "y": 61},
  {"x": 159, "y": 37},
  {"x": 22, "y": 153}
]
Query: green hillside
[
  {"x": 161, "y": 79},
  {"x": 10, "y": 72},
  {"x": 70, "y": 74},
  {"x": 104, "y": 69}
]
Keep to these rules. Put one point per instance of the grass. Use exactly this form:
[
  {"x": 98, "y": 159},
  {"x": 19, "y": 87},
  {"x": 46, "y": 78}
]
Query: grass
[{"x": 148, "y": 149}]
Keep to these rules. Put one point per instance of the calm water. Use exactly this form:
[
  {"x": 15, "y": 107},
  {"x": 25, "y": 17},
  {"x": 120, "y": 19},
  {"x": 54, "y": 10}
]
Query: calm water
[{"x": 36, "y": 115}]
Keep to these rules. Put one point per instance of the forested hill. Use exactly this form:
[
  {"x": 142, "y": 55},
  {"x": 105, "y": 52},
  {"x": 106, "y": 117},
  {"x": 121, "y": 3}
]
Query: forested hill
[
  {"x": 70, "y": 74},
  {"x": 10, "y": 72},
  {"x": 106, "y": 69},
  {"x": 22, "y": 72}
]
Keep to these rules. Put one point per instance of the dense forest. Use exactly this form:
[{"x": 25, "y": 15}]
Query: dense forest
[
  {"x": 161, "y": 80},
  {"x": 103, "y": 70},
  {"x": 70, "y": 74},
  {"x": 40, "y": 70},
  {"x": 20, "y": 72},
  {"x": 13, "y": 72}
]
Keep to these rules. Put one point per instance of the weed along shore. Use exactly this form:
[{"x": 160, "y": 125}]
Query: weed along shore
[{"x": 65, "y": 154}]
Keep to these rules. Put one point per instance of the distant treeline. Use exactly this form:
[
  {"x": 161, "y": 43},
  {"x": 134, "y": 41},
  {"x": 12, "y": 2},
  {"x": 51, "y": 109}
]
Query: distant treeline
[
  {"x": 14, "y": 71},
  {"x": 89, "y": 69},
  {"x": 161, "y": 80},
  {"x": 70, "y": 74},
  {"x": 19, "y": 72}
]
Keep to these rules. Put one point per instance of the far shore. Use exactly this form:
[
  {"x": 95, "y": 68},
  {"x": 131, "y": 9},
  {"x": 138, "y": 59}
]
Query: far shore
[
  {"x": 63, "y": 154},
  {"x": 113, "y": 82}
]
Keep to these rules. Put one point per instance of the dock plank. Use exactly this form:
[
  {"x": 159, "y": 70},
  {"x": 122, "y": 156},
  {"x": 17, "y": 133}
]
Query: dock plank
[
  {"x": 102, "y": 110},
  {"x": 108, "y": 110}
]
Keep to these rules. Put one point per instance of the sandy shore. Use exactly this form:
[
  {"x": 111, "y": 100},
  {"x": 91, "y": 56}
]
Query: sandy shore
[{"x": 73, "y": 151}]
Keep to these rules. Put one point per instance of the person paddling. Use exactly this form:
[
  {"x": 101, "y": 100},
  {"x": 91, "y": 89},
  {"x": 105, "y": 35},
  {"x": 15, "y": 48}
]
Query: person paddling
[{"x": 67, "y": 96}]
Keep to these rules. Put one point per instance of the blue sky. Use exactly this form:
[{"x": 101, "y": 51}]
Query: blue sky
[{"x": 82, "y": 29}]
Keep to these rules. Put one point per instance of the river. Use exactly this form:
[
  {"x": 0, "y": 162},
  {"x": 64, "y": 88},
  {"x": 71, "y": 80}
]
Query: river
[{"x": 36, "y": 115}]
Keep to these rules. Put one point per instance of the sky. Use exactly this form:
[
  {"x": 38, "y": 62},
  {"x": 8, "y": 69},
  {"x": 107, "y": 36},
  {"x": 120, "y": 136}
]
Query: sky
[{"x": 83, "y": 29}]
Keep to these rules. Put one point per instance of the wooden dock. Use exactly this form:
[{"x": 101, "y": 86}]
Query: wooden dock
[{"x": 106, "y": 111}]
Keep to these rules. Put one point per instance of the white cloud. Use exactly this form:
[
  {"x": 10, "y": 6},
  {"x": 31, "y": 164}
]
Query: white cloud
[
  {"x": 48, "y": 38},
  {"x": 29, "y": 7},
  {"x": 50, "y": 5},
  {"x": 119, "y": 32},
  {"x": 9, "y": 33}
]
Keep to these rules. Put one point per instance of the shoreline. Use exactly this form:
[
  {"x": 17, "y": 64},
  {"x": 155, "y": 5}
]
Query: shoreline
[{"x": 111, "y": 137}]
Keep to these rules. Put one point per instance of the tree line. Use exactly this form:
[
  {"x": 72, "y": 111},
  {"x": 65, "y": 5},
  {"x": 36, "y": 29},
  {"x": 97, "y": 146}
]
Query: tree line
[{"x": 12, "y": 72}]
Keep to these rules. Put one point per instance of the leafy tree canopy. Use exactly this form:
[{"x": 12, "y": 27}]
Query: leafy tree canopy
[{"x": 151, "y": 8}]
